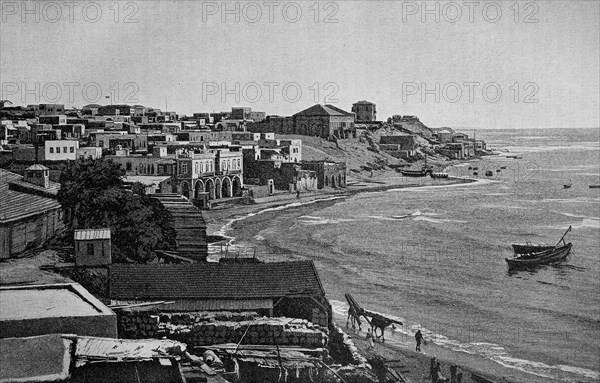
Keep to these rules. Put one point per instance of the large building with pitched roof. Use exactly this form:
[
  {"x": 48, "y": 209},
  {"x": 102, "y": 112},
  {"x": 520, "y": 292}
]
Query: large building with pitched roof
[
  {"x": 325, "y": 121},
  {"x": 29, "y": 211},
  {"x": 291, "y": 289}
]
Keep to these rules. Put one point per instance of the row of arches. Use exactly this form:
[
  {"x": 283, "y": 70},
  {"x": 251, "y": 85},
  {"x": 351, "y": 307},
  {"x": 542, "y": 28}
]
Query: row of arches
[
  {"x": 216, "y": 187},
  {"x": 336, "y": 181}
]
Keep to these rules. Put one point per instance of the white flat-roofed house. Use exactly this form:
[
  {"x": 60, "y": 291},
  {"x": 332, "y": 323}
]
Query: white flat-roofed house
[
  {"x": 61, "y": 150},
  {"x": 65, "y": 308}
]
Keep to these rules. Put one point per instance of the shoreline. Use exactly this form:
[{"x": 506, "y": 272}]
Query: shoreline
[
  {"x": 417, "y": 364},
  {"x": 226, "y": 223},
  {"x": 216, "y": 219}
]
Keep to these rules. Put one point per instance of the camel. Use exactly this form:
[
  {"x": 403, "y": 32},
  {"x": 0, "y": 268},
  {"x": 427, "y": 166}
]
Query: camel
[
  {"x": 355, "y": 317},
  {"x": 379, "y": 322}
]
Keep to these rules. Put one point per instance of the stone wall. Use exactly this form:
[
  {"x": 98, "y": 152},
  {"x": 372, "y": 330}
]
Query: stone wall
[
  {"x": 202, "y": 328},
  {"x": 343, "y": 349}
]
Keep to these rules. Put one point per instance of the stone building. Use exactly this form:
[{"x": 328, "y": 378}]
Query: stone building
[
  {"x": 328, "y": 173},
  {"x": 400, "y": 146},
  {"x": 325, "y": 121},
  {"x": 276, "y": 124},
  {"x": 365, "y": 111}
]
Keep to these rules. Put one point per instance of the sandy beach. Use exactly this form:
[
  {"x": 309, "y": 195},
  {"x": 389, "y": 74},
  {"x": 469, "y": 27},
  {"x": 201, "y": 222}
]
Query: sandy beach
[{"x": 414, "y": 366}]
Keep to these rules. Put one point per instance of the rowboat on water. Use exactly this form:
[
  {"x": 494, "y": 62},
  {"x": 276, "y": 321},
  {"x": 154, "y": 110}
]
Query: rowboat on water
[
  {"x": 530, "y": 248},
  {"x": 529, "y": 255},
  {"x": 594, "y": 186}
]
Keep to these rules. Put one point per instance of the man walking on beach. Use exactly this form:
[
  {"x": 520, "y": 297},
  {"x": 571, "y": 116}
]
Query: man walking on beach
[{"x": 419, "y": 338}]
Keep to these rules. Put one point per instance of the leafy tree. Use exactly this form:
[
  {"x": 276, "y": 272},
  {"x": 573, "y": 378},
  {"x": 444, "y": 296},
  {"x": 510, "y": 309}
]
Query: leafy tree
[{"x": 92, "y": 196}]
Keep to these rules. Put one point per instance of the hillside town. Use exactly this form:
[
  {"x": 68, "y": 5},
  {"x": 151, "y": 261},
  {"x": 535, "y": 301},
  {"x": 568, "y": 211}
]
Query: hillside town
[{"x": 119, "y": 196}]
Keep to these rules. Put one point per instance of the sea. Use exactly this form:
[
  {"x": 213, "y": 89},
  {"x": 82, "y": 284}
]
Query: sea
[{"x": 433, "y": 257}]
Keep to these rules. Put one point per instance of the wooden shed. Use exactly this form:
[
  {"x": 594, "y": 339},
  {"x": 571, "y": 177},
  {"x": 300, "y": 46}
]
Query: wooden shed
[{"x": 92, "y": 247}]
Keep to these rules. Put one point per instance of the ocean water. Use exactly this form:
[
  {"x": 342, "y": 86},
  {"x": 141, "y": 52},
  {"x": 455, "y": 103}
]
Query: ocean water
[{"x": 433, "y": 257}]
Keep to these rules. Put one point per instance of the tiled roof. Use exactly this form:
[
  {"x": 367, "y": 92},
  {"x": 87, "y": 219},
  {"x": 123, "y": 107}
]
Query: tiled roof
[
  {"x": 214, "y": 280},
  {"x": 323, "y": 110},
  {"x": 16, "y": 204},
  {"x": 89, "y": 234}
]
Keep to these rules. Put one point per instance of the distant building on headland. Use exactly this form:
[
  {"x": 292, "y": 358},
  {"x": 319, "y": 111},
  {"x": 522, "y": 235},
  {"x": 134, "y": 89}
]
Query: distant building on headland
[
  {"x": 325, "y": 121},
  {"x": 365, "y": 111},
  {"x": 400, "y": 146}
]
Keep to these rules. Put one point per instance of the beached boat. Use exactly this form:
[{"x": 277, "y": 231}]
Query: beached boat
[
  {"x": 439, "y": 175},
  {"x": 533, "y": 255},
  {"x": 416, "y": 173}
]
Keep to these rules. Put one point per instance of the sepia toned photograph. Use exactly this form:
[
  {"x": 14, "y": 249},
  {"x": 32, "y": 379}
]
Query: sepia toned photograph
[{"x": 350, "y": 191}]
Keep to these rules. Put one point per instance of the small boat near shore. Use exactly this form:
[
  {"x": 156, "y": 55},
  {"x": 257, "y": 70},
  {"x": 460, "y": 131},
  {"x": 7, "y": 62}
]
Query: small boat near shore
[
  {"x": 415, "y": 173},
  {"x": 594, "y": 186},
  {"x": 530, "y": 255}
]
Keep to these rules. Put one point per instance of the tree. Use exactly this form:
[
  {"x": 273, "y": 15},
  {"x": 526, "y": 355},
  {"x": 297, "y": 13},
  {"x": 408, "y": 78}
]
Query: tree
[{"x": 92, "y": 196}]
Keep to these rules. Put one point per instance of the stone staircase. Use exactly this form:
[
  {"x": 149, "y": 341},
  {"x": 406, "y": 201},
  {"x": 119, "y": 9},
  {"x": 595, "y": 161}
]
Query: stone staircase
[{"x": 189, "y": 226}]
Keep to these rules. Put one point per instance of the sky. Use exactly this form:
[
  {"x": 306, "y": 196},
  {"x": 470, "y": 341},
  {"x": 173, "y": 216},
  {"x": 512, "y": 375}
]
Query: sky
[{"x": 479, "y": 64}]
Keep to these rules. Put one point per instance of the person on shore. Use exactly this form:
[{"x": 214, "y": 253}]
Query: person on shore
[
  {"x": 435, "y": 372},
  {"x": 369, "y": 339},
  {"x": 432, "y": 367},
  {"x": 437, "y": 376},
  {"x": 419, "y": 338},
  {"x": 298, "y": 193}
]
